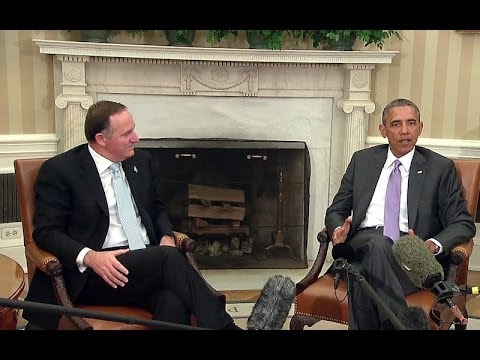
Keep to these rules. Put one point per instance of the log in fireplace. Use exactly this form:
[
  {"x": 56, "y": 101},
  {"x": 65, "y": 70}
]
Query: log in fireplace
[{"x": 245, "y": 202}]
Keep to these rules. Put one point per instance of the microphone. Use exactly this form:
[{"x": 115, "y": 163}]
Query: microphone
[
  {"x": 414, "y": 318},
  {"x": 417, "y": 261},
  {"x": 344, "y": 251},
  {"x": 340, "y": 251},
  {"x": 272, "y": 307}
]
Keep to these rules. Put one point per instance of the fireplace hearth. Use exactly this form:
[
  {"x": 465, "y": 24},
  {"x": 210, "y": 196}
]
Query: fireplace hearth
[{"x": 244, "y": 202}]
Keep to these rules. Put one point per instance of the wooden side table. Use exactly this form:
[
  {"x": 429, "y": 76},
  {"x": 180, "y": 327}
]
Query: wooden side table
[{"x": 12, "y": 283}]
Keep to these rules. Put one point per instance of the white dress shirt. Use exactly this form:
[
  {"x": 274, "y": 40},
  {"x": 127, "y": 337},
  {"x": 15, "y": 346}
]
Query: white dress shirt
[
  {"x": 375, "y": 212},
  {"x": 115, "y": 234}
]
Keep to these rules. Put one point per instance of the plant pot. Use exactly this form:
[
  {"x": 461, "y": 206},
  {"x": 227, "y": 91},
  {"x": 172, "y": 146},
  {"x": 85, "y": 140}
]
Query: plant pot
[
  {"x": 264, "y": 39},
  {"x": 342, "y": 44},
  {"x": 257, "y": 41},
  {"x": 180, "y": 37},
  {"x": 95, "y": 35}
]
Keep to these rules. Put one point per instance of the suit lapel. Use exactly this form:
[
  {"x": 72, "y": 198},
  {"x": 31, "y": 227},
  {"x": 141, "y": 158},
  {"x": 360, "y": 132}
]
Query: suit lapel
[
  {"x": 89, "y": 173},
  {"x": 372, "y": 169},
  {"x": 416, "y": 179}
]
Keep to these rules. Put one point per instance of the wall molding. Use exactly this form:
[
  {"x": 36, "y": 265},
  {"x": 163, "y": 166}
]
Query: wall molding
[
  {"x": 451, "y": 148},
  {"x": 25, "y": 146}
]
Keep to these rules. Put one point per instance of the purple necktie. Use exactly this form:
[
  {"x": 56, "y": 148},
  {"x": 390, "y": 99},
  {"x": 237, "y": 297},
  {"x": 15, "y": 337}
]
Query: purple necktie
[{"x": 392, "y": 203}]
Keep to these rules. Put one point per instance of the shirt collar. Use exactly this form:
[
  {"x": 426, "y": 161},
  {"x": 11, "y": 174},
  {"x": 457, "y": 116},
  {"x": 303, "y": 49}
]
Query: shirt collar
[
  {"x": 101, "y": 162},
  {"x": 405, "y": 160}
]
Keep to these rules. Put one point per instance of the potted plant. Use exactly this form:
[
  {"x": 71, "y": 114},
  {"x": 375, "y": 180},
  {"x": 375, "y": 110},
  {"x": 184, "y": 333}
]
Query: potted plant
[
  {"x": 93, "y": 35},
  {"x": 215, "y": 36},
  {"x": 180, "y": 37},
  {"x": 344, "y": 39},
  {"x": 257, "y": 39},
  {"x": 265, "y": 39}
]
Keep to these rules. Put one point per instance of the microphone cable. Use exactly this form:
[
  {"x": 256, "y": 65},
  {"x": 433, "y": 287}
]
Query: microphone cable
[
  {"x": 338, "y": 271},
  {"x": 343, "y": 255}
]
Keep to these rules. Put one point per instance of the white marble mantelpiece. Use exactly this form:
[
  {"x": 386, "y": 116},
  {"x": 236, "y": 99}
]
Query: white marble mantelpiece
[
  {"x": 73, "y": 48},
  {"x": 320, "y": 97}
]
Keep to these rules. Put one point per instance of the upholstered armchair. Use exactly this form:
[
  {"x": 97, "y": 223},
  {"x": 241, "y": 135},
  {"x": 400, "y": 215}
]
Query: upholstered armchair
[
  {"x": 317, "y": 300},
  {"x": 26, "y": 171}
]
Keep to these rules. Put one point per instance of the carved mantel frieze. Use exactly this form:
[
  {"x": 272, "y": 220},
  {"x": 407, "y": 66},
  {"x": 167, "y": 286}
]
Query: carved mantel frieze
[{"x": 217, "y": 79}]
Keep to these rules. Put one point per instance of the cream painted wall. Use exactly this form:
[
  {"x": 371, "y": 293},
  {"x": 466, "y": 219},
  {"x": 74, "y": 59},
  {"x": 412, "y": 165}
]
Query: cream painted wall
[
  {"x": 437, "y": 69},
  {"x": 440, "y": 71}
]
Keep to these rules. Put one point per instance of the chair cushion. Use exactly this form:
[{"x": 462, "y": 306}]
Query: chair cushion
[{"x": 321, "y": 301}]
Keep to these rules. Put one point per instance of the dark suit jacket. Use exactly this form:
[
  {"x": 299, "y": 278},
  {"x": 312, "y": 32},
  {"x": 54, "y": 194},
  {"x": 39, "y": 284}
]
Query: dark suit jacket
[
  {"x": 72, "y": 212},
  {"x": 436, "y": 207}
]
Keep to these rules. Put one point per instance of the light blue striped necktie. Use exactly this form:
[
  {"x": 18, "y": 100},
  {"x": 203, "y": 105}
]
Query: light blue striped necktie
[{"x": 125, "y": 209}]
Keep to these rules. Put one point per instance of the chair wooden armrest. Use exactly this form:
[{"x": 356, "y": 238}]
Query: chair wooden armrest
[
  {"x": 183, "y": 242},
  {"x": 461, "y": 252},
  {"x": 50, "y": 265},
  {"x": 188, "y": 245},
  {"x": 458, "y": 263},
  {"x": 317, "y": 266},
  {"x": 39, "y": 257}
]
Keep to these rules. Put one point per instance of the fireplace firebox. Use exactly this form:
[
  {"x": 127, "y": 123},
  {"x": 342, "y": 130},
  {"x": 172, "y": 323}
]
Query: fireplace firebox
[{"x": 244, "y": 202}]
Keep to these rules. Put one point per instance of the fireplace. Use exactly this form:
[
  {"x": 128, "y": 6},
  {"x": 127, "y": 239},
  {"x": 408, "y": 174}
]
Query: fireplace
[
  {"x": 320, "y": 99},
  {"x": 245, "y": 202}
]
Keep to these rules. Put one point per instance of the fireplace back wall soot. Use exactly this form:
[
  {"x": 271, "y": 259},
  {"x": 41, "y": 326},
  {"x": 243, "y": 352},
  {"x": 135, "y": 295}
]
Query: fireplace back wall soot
[{"x": 244, "y": 202}]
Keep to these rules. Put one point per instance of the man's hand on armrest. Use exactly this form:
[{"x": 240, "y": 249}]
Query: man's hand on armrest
[{"x": 340, "y": 233}]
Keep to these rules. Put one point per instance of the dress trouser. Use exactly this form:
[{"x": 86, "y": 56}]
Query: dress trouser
[
  {"x": 374, "y": 258},
  {"x": 160, "y": 280}
]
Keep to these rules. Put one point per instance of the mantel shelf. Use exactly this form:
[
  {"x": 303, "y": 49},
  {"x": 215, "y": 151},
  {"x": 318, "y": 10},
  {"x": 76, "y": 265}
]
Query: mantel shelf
[{"x": 76, "y": 48}]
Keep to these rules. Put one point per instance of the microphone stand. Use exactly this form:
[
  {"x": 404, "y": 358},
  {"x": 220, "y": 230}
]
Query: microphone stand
[
  {"x": 342, "y": 264},
  {"x": 444, "y": 291},
  {"x": 93, "y": 314}
]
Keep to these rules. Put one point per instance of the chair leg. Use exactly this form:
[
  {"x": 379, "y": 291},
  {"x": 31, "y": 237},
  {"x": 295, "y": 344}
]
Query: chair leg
[{"x": 298, "y": 322}]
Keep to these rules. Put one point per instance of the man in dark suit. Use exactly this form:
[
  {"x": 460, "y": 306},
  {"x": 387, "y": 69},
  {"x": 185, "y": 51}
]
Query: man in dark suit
[
  {"x": 77, "y": 219},
  {"x": 431, "y": 206}
]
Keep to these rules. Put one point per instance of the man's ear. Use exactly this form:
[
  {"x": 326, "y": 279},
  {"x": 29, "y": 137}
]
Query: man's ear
[
  {"x": 383, "y": 130},
  {"x": 100, "y": 139}
]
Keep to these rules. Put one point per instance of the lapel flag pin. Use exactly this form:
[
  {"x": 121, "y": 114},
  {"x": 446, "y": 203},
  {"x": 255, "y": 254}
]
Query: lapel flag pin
[
  {"x": 419, "y": 171},
  {"x": 135, "y": 168}
]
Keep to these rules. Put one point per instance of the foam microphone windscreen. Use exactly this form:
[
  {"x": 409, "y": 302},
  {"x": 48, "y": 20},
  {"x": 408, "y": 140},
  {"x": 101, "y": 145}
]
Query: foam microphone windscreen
[
  {"x": 344, "y": 251},
  {"x": 417, "y": 261},
  {"x": 272, "y": 307},
  {"x": 414, "y": 318}
]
